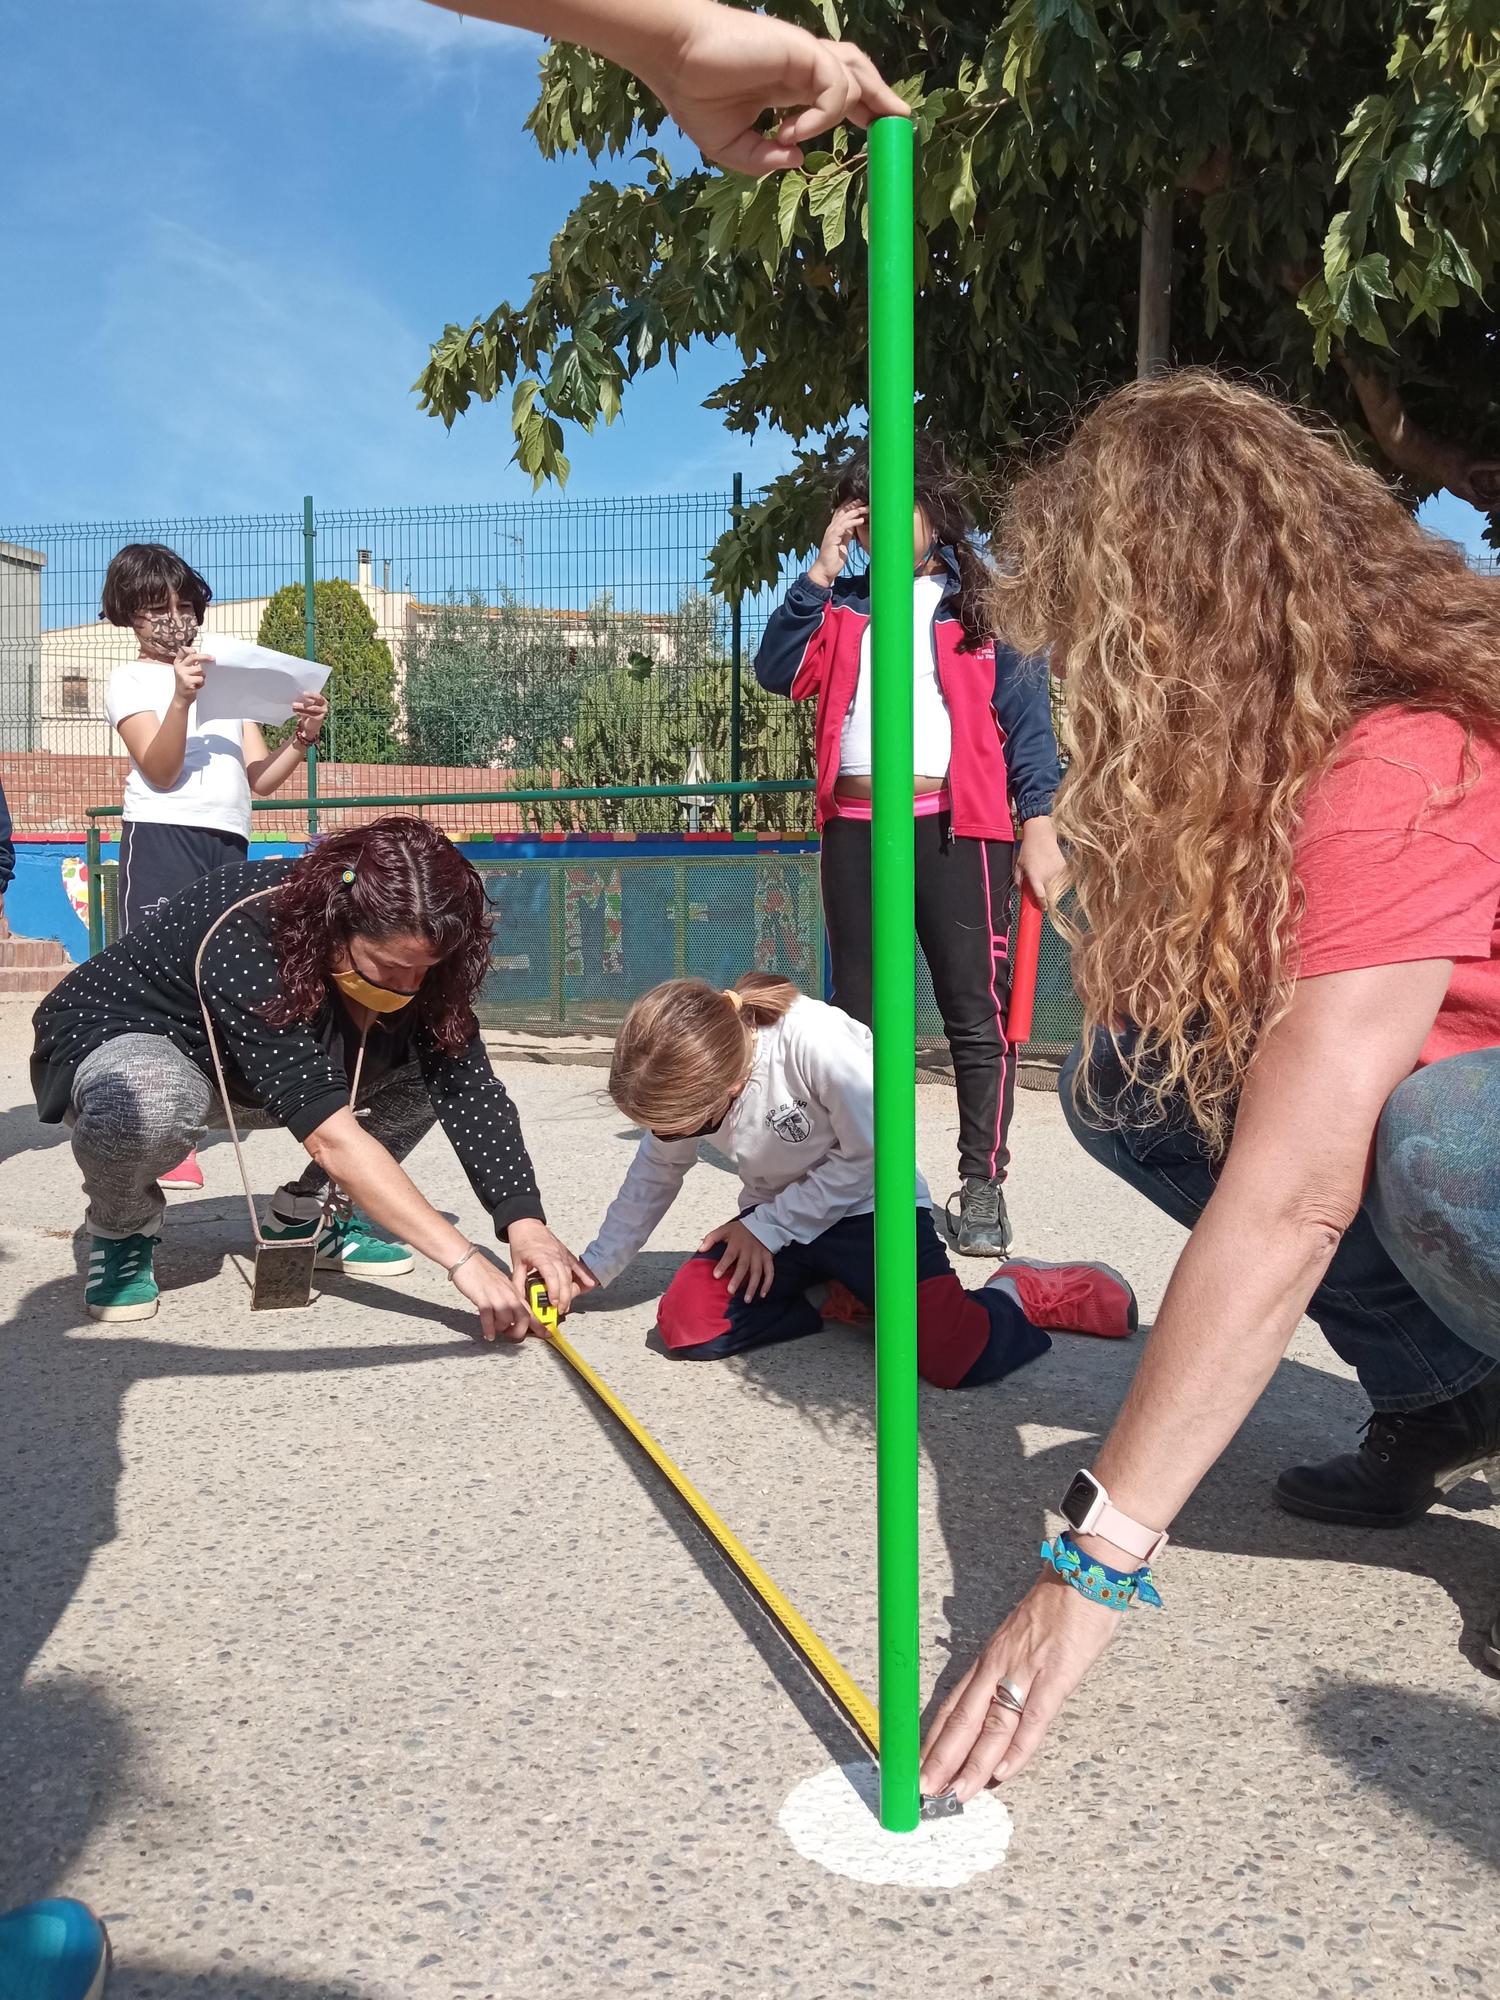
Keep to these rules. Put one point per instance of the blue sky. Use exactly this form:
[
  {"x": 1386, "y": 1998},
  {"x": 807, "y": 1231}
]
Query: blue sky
[
  {"x": 237, "y": 227},
  {"x": 229, "y": 231}
]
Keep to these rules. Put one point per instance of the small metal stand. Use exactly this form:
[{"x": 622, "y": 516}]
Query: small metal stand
[{"x": 283, "y": 1279}]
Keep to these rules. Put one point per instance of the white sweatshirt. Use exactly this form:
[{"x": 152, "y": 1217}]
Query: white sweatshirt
[{"x": 801, "y": 1132}]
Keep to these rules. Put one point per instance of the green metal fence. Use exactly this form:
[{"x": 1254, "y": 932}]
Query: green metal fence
[
  {"x": 545, "y": 644},
  {"x": 579, "y": 935}
]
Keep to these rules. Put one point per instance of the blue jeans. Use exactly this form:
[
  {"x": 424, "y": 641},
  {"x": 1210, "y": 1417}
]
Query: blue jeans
[{"x": 1411, "y": 1299}]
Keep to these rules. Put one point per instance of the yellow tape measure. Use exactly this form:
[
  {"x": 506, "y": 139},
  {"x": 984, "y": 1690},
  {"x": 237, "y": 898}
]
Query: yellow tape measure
[{"x": 852, "y": 1698}]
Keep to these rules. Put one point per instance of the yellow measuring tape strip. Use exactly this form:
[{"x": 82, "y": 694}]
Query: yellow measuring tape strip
[{"x": 852, "y": 1698}]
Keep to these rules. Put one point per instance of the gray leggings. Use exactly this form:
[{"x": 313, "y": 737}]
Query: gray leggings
[{"x": 139, "y": 1105}]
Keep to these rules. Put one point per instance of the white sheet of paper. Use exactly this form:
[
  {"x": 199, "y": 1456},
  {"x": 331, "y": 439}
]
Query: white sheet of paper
[{"x": 249, "y": 683}]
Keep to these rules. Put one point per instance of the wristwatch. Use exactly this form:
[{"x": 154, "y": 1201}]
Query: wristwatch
[{"x": 1088, "y": 1510}]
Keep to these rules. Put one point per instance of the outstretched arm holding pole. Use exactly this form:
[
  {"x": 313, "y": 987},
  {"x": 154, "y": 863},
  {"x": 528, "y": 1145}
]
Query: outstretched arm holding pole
[{"x": 717, "y": 69}]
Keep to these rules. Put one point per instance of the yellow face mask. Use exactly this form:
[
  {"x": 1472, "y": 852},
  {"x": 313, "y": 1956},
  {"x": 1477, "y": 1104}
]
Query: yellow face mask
[{"x": 379, "y": 999}]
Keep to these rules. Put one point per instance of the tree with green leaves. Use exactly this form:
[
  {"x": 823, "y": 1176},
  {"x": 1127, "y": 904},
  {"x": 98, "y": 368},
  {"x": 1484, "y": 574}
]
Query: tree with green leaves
[
  {"x": 640, "y": 725},
  {"x": 489, "y": 683},
  {"x": 361, "y": 727},
  {"x": 1328, "y": 172},
  {"x": 655, "y": 692}
]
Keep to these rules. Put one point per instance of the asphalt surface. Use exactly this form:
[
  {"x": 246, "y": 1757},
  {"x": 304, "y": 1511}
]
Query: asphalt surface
[{"x": 344, "y": 1659}]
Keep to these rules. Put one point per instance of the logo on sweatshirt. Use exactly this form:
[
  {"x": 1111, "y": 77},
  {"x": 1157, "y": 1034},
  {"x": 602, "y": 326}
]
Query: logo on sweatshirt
[{"x": 790, "y": 1121}]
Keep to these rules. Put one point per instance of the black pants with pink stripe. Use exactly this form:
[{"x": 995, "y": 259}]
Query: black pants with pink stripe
[
  {"x": 963, "y": 1338},
  {"x": 963, "y": 924}
]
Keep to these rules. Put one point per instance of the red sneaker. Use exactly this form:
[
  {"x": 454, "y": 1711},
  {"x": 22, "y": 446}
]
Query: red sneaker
[
  {"x": 842, "y": 1305},
  {"x": 188, "y": 1175},
  {"x": 1072, "y": 1298}
]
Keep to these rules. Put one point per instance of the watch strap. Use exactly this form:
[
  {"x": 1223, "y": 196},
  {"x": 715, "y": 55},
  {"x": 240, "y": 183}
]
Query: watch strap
[{"x": 1137, "y": 1540}]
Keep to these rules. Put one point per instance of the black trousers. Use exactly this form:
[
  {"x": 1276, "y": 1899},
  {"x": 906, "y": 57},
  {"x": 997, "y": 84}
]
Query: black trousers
[
  {"x": 158, "y": 862},
  {"x": 963, "y": 927}
]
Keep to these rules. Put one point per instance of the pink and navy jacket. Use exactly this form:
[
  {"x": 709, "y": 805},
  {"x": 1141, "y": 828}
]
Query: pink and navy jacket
[{"x": 1003, "y": 745}]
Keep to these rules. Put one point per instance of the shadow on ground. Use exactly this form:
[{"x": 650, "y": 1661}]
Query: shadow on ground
[
  {"x": 1430, "y": 1754},
  {"x": 131, "y": 1981},
  {"x": 64, "y": 1742}
]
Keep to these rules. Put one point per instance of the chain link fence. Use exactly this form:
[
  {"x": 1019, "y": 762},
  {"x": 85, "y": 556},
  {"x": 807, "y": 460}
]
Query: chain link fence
[{"x": 486, "y": 647}]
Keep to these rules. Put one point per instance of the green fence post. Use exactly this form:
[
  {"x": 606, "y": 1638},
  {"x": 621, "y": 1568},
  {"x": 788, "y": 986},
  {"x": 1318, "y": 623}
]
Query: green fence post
[
  {"x": 310, "y": 646},
  {"x": 557, "y": 889},
  {"x": 736, "y": 668},
  {"x": 680, "y": 911},
  {"x": 95, "y": 856},
  {"x": 892, "y": 332}
]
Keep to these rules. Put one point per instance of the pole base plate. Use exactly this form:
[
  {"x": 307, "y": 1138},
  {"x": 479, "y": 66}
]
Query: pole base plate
[{"x": 833, "y": 1819}]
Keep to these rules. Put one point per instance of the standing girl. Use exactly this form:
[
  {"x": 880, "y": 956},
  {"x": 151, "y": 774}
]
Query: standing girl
[
  {"x": 187, "y": 798},
  {"x": 983, "y": 735},
  {"x": 784, "y": 1085}
]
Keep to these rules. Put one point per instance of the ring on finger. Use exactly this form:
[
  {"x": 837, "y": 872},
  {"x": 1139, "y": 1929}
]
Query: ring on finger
[{"x": 1008, "y": 1695}]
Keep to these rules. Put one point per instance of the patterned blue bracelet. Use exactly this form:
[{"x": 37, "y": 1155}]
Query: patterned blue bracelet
[{"x": 1116, "y": 1589}]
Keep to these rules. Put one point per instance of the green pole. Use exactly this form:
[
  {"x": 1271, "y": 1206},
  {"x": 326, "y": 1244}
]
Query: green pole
[
  {"x": 310, "y": 645},
  {"x": 736, "y": 667},
  {"x": 96, "y": 890},
  {"x": 892, "y": 288}
]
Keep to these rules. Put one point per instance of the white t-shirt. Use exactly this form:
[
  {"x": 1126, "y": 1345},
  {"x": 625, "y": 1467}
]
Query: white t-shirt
[
  {"x": 932, "y": 729},
  {"x": 211, "y": 789},
  {"x": 801, "y": 1132}
]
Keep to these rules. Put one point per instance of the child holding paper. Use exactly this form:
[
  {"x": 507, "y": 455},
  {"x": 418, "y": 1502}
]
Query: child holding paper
[{"x": 187, "y": 798}]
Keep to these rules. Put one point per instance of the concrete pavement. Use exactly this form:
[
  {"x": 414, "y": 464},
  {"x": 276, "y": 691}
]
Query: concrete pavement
[{"x": 342, "y": 1659}]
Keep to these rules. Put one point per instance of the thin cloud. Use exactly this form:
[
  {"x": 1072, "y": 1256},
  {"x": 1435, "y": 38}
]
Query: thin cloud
[{"x": 412, "y": 27}]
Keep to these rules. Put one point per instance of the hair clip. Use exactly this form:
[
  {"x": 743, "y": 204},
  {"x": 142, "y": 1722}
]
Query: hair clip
[{"x": 347, "y": 877}]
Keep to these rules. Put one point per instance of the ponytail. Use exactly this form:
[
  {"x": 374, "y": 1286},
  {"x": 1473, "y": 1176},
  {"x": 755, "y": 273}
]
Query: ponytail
[{"x": 762, "y": 999}]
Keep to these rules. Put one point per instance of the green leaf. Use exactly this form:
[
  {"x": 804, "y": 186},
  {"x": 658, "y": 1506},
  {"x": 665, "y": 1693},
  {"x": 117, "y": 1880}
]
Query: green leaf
[
  {"x": 827, "y": 198},
  {"x": 789, "y": 198},
  {"x": 964, "y": 197},
  {"x": 572, "y": 386},
  {"x": 1338, "y": 248}
]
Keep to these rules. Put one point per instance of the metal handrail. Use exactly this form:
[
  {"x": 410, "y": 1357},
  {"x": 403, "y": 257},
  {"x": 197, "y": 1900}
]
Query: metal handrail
[{"x": 560, "y": 796}]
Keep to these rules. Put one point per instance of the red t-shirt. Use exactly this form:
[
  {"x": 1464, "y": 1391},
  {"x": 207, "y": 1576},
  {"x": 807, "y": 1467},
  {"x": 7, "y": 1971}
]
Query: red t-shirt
[{"x": 1399, "y": 857}]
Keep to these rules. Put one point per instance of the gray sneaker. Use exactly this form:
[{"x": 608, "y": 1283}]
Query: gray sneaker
[{"x": 983, "y": 1227}]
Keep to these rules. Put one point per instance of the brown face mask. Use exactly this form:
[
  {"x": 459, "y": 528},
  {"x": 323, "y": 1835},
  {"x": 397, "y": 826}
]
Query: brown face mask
[{"x": 164, "y": 634}]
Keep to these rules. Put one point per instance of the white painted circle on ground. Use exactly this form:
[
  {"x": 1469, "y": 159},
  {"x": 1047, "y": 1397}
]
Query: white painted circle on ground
[{"x": 834, "y": 1819}]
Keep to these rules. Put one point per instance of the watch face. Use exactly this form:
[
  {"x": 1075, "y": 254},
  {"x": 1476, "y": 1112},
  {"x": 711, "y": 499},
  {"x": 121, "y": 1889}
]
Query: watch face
[{"x": 1078, "y": 1499}]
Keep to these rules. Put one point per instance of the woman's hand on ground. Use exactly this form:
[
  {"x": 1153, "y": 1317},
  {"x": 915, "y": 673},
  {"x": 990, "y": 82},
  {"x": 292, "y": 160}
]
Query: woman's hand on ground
[
  {"x": 1039, "y": 860},
  {"x": 746, "y": 1260},
  {"x": 534, "y": 1249},
  {"x": 833, "y": 552},
  {"x": 1045, "y": 1647},
  {"x": 731, "y": 65},
  {"x": 499, "y": 1300}
]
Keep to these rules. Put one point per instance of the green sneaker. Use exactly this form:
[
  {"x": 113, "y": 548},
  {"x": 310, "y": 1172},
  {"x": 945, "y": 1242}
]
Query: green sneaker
[
  {"x": 121, "y": 1283},
  {"x": 349, "y": 1244}
]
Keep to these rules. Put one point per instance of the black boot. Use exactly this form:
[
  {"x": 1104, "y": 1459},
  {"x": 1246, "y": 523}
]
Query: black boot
[
  {"x": 1407, "y": 1460},
  {"x": 1492, "y": 1644},
  {"x": 983, "y": 1227}
]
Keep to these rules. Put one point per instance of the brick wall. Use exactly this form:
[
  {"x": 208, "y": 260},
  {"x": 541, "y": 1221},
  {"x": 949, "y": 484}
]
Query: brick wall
[{"x": 49, "y": 792}]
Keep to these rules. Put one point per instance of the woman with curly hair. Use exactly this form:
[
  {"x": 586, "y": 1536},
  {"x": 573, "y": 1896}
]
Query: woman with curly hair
[
  {"x": 340, "y": 989},
  {"x": 1283, "y": 823}
]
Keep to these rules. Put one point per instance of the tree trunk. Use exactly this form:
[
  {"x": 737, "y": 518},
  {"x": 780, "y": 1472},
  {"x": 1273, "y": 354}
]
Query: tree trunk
[
  {"x": 1154, "y": 329},
  {"x": 1433, "y": 462}
]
